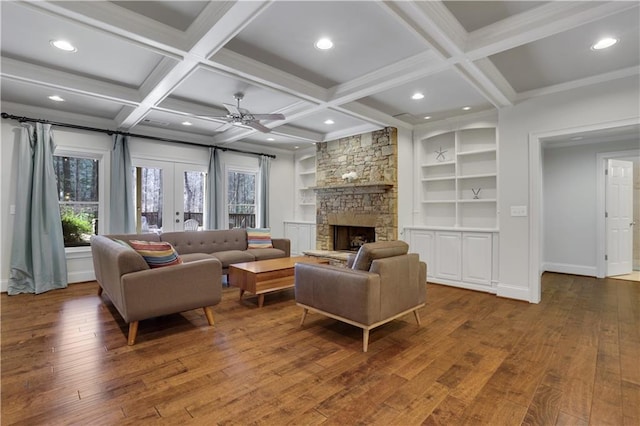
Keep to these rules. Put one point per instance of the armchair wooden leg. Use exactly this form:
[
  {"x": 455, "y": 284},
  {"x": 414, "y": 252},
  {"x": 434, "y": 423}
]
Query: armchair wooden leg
[
  {"x": 417, "y": 315},
  {"x": 99, "y": 290},
  {"x": 133, "y": 331},
  {"x": 209, "y": 314},
  {"x": 365, "y": 339},
  {"x": 305, "y": 311}
]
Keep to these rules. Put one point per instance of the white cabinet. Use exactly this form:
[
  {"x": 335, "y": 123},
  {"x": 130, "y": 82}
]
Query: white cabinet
[
  {"x": 302, "y": 236},
  {"x": 467, "y": 259},
  {"x": 476, "y": 250},
  {"x": 448, "y": 256},
  {"x": 458, "y": 175}
]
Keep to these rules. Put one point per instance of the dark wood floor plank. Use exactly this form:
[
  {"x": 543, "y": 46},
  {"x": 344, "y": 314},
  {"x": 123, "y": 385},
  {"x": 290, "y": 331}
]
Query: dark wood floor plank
[{"x": 476, "y": 359}]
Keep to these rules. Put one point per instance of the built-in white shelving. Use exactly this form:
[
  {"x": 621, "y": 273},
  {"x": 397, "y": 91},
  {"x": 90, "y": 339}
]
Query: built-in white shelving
[
  {"x": 458, "y": 178},
  {"x": 305, "y": 175}
]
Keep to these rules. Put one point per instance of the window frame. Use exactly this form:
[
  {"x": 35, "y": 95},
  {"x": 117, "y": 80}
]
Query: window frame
[
  {"x": 103, "y": 159},
  {"x": 241, "y": 169}
]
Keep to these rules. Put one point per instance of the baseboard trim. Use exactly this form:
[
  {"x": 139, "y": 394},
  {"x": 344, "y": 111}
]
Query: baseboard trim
[
  {"x": 461, "y": 284},
  {"x": 567, "y": 268},
  {"x": 513, "y": 292}
]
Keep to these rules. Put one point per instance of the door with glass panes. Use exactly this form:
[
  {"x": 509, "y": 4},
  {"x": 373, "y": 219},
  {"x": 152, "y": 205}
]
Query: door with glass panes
[{"x": 168, "y": 195}]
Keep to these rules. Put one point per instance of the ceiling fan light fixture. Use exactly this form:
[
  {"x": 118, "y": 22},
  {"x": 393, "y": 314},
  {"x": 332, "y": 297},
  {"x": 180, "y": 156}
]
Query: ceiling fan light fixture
[
  {"x": 604, "y": 43},
  {"x": 63, "y": 45},
  {"x": 323, "y": 43},
  {"x": 56, "y": 98},
  {"x": 416, "y": 96}
]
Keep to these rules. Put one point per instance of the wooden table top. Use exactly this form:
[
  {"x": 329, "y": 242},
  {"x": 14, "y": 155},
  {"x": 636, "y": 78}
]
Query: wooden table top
[{"x": 268, "y": 265}]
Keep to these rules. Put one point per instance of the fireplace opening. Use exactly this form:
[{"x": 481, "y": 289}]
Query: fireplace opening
[{"x": 350, "y": 238}]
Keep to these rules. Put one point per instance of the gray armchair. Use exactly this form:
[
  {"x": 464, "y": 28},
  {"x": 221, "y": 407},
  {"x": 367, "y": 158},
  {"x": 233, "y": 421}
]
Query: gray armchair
[{"x": 383, "y": 282}]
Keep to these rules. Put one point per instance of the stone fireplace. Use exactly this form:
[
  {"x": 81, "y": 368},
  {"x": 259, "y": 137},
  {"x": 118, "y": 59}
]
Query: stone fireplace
[{"x": 367, "y": 201}]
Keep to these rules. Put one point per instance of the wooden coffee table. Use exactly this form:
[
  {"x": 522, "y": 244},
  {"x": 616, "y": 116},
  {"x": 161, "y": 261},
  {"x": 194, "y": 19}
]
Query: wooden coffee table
[{"x": 264, "y": 276}]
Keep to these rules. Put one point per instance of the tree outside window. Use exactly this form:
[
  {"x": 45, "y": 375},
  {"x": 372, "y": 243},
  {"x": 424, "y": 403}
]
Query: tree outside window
[
  {"x": 241, "y": 195},
  {"x": 77, "y": 181}
]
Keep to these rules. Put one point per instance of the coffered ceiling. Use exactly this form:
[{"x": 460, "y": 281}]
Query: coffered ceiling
[{"x": 149, "y": 66}]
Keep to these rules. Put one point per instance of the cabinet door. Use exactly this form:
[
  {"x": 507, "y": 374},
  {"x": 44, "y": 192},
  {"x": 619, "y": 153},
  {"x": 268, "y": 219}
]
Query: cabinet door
[
  {"x": 477, "y": 259},
  {"x": 423, "y": 243},
  {"x": 291, "y": 232},
  {"x": 448, "y": 255},
  {"x": 303, "y": 238}
]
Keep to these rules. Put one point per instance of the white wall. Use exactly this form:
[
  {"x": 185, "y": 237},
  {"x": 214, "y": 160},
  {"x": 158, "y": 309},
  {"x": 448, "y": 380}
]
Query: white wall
[
  {"x": 578, "y": 108},
  {"x": 569, "y": 206},
  {"x": 405, "y": 180},
  {"x": 79, "y": 264}
]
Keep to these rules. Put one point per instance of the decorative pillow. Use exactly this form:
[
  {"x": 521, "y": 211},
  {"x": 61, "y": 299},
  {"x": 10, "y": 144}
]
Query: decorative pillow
[
  {"x": 259, "y": 238},
  {"x": 156, "y": 254}
]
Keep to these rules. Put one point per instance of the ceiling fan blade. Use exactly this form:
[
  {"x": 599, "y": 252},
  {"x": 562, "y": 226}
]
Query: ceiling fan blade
[
  {"x": 232, "y": 109},
  {"x": 268, "y": 116},
  {"x": 258, "y": 126},
  {"x": 211, "y": 117}
]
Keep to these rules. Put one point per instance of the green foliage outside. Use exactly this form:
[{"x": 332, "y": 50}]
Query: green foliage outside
[{"x": 76, "y": 227}]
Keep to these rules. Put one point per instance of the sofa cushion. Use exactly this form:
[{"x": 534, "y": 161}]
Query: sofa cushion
[
  {"x": 258, "y": 238},
  {"x": 157, "y": 254},
  {"x": 233, "y": 256},
  {"x": 192, "y": 257},
  {"x": 378, "y": 250},
  {"x": 267, "y": 253},
  {"x": 210, "y": 241}
]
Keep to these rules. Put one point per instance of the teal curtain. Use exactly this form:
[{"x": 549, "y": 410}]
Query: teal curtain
[
  {"x": 38, "y": 263},
  {"x": 263, "y": 205},
  {"x": 122, "y": 215},
  {"x": 215, "y": 191}
]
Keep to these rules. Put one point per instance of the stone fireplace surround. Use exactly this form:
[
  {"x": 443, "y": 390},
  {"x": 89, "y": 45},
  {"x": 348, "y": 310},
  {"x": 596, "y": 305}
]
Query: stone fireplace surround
[{"x": 368, "y": 201}]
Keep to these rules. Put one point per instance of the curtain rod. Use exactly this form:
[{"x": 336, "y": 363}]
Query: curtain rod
[{"x": 118, "y": 132}]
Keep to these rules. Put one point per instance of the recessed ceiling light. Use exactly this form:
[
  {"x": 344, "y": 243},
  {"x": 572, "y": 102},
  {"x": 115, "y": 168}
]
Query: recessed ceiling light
[
  {"x": 603, "y": 43},
  {"x": 56, "y": 98},
  {"x": 187, "y": 123},
  {"x": 270, "y": 139},
  {"x": 428, "y": 117},
  {"x": 467, "y": 108},
  {"x": 324, "y": 44},
  {"x": 577, "y": 138},
  {"x": 329, "y": 121},
  {"x": 296, "y": 147},
  {"x": 63, "y": 45},
  {"x": 417, "y": 96}
]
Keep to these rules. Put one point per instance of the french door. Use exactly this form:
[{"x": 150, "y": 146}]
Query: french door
[{"x": 168, "y": 195}]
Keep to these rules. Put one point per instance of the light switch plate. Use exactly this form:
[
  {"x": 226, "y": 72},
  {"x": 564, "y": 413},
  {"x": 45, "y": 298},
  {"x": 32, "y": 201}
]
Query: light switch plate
[{"x": 518, "y": 211}]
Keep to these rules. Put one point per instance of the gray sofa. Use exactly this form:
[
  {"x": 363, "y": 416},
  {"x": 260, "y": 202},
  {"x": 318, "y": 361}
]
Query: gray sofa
[{"x": 139, "y": 292}]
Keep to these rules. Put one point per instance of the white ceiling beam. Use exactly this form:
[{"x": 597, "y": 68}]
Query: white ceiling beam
[
  {"x": 438, "y": 29},
  {"x": 49, "y": 77},
  {"x": 372, "y": 115},
  {"x": 540, "y": 22}
]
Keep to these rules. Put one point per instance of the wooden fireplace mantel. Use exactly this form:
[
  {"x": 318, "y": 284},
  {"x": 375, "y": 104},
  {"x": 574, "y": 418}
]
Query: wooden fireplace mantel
[{"x": 356, "y": 188}]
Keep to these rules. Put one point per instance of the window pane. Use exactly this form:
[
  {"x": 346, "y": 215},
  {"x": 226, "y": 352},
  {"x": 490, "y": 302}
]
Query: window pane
[
  {"x": 151, "y": 199},
  {"x": 77, "y": 182},
  {"x": 242, "y": 199},
  {"x": 194, "y": 196}
]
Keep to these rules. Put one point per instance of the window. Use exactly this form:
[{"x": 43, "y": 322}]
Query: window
[
  {"x": 78, "y": 196},
  {"x": 241, "y": 198}
]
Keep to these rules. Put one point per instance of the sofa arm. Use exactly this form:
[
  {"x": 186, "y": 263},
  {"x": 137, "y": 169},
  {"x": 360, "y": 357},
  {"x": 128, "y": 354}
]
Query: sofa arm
[
  {"x": 351, "y": 294},
  {"x": 171, "y": 289},
  {"x": 283, "y": 244}
]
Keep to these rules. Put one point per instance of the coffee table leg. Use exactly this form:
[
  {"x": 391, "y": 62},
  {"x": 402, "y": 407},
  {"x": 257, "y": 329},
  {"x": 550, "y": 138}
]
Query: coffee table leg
[
  {"x": 260, "y": 300},
  {"x": 241, "y": 293}
]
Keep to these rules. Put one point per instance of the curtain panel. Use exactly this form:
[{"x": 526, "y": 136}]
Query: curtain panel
[
  {"x": 122, "y": 215},
  {"x": 38, "y": 262},
  {"x": 265, "y": 167},
  {"x": 215, "y": 191}
]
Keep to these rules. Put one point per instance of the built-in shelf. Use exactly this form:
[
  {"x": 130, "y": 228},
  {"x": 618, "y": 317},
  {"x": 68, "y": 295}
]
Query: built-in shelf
[
  {"x": 305, "y": 180},
  {"x": 456, "y": 166}
]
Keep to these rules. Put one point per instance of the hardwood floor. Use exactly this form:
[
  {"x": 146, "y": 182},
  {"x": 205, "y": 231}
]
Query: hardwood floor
[{"x": 477, "y": 359}]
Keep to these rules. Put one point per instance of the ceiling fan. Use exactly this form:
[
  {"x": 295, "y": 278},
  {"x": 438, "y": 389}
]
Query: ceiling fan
[{"x": 242, "y": 116}]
